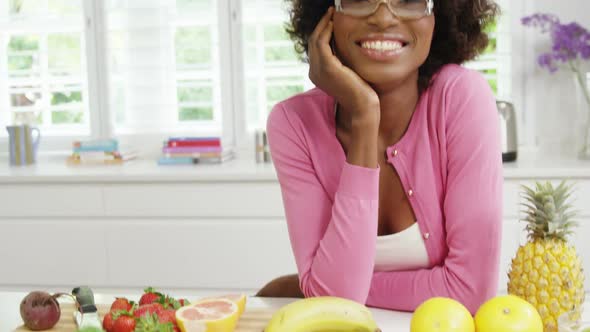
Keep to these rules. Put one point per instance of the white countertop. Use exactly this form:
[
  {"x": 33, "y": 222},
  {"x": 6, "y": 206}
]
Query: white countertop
[
  {"x": 140, "y": 170},
  {"x": 388, "y": 321},
  {"x": 551, "y": 168},
  {"x": 55, "y": 170}
]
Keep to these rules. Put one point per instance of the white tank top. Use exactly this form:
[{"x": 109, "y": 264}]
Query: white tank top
[{"x": 401, "y": 251}]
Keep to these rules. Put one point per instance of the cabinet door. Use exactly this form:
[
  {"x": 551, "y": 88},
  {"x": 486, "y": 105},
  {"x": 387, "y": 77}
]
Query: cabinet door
[
  {"x": 580, "y": 240},
  {"x": 513, "y": 236},
  {"x": 235, "y": 200},
  {"x": 52, "y": 252},
  {"x": 50, "y": 200},
  {"x": 198, "y": 253}
]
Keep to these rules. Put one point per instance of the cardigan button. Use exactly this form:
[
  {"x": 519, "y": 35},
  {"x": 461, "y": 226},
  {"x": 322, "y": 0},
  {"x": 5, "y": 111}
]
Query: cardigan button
[
  {"x": 394, "y": 153},
  {"x": 426, "y": 236},
  {"x": 410, "y": 193}
]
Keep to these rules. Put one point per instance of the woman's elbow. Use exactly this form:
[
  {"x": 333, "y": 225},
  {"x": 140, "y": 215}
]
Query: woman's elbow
[{"x": 337, "y": 288}]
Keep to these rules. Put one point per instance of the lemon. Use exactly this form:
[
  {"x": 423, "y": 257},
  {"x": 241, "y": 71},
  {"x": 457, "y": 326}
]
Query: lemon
[
  {"x": 213, "y": 315},
  {"x": 508, "y": 313},
  {"x": 440, "y": 314}
]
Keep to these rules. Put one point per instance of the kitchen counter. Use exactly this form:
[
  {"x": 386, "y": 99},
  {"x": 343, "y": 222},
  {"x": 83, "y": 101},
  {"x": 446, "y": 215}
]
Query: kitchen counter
[
  {"x": 388, "y": 321},
  {"x": 55, "y": 170}
]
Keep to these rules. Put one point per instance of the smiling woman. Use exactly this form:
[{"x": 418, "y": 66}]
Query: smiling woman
[
  {"x": 390, "y": 170},
  {"x": 459, "y": 29}
]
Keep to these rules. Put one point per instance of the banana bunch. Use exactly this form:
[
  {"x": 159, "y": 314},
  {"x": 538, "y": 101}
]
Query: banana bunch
[{"x": 325, "y": 313}]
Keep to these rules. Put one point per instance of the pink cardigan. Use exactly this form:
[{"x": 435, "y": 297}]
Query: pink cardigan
[{"x": 449, "y": 162}]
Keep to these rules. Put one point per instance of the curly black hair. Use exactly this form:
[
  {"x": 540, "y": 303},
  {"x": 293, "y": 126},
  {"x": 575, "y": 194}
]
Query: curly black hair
[{"x": 459, "y": 33}]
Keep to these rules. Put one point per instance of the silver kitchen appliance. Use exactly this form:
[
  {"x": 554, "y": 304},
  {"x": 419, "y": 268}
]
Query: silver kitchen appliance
[{"x": 509, "y": 137}]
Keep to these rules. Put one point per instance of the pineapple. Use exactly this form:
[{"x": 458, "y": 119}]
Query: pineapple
[{"x": 546, "y": 271}]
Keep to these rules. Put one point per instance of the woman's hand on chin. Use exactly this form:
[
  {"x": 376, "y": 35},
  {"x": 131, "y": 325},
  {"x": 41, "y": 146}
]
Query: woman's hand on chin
[{"x": 328, "y": 73}]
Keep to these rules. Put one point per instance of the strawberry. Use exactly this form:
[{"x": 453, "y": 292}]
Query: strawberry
[
  {"x": 169, "y": 302},
  {"x": 124, "y": 323},
  {"x": 151, "y": 308},
  {"x": 151, "y": 323},
  {"x": 107, "y": 322},
  {"x": 167, "y": 316},
  {"x": 150, "y": 296},
  {"x": 121, "y": 303}
]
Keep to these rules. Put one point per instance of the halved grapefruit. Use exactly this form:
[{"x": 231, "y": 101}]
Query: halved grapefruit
[
  {"x": 214, "y": 315},
  {"x": 238, "y": 299}
]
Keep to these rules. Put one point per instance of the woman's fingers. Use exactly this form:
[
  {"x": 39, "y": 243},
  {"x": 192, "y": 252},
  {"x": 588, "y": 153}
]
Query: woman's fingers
[
  {"x": 323, "y": 42},
  {"x": 321, "y": 25},
  {"x": 319, "y": 47}
]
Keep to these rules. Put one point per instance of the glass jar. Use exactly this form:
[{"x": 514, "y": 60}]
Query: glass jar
[{"x": 582, "y": 86}]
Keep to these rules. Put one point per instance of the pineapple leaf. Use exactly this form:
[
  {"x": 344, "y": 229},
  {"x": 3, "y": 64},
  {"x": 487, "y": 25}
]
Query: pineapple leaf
[
  {"x": 570, "y": 224},
  {"x": 527, "y": 189},
  {"x": 547, "y": 211},
  {"x": 552, "y": 228},
  {"x": 529, "y": 209},
  {"x": 535, "y": 204},
  {"x": 541, "y": 214}
]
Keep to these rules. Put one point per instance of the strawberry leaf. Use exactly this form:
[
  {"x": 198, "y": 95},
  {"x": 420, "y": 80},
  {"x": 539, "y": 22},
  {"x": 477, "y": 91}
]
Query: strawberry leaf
[
  {"x": 151, "y": 323},
  {"x": 118, "y": 313}
]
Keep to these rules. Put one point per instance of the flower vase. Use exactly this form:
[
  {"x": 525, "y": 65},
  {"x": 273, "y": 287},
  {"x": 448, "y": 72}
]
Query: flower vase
[{"x": 582, "y": 84}]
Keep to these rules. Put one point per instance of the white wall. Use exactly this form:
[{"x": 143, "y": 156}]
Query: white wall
[{"x": 549, "y": 99}]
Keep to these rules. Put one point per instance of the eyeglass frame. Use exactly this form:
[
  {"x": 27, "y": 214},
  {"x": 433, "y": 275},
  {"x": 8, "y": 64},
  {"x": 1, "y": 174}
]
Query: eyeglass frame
[{"x": 429, "y": 8}]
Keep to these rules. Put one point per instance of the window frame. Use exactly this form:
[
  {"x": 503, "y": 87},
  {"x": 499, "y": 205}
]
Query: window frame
[
  {"x": 57, "y": 143},
  {"x": 526, "y": 118}
]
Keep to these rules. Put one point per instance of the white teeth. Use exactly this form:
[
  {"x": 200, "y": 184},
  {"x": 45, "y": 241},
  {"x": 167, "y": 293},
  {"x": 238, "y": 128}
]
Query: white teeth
[{"x": 382, "y": 45}]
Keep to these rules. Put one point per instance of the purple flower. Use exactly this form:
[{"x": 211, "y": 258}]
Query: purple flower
[{"x": 570, "y": 42}]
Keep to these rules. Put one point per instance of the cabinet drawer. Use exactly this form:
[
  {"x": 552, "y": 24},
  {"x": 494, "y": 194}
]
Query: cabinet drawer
[
  {"x": 243, "y": 200},
  {"x": 43, "y": 200},
  {"x": 50, "y": 252},
  {"x": 582, "y": 198},
  {"x": 221, "y": 253}
]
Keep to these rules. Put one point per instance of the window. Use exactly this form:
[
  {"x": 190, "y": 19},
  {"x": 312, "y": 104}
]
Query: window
[
  {"x": 154, "y": 68},
  {"x": 164, "y": 67},
  {"x": 272, "y": 69},
  {"x": 43, "y": 66},
  {"x": 495, "y": 63}
]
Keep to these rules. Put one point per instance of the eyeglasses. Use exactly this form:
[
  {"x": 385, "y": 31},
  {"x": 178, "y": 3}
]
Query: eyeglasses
[{"x": 403, "y": 9}]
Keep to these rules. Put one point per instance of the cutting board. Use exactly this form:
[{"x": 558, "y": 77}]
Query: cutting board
[{"x": 253, "y": 319}]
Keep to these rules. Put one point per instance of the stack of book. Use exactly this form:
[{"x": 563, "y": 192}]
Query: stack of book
[
  {"x": 194, "y": 150},
  {"x": 105, "y": 151}
]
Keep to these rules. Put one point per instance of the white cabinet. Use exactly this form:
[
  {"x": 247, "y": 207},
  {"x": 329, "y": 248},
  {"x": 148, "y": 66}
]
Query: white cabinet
[
  {"x": 195, "y": 227},
  {"x": 512, "y": 235},
  {"x": 138, "y": 225},
  {"x": 237, "y": 199},
  {"x": 50, "y": 200},
  {"x": 185, "y": 253},
  {"x": 52, "y": 251}
]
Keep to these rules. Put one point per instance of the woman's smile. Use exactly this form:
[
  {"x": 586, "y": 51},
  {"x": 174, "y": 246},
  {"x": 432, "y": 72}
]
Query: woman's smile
[{"x": 383, "y": 47}]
